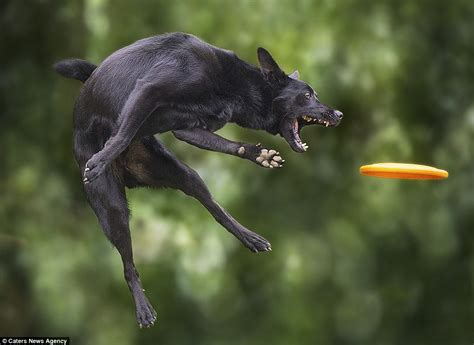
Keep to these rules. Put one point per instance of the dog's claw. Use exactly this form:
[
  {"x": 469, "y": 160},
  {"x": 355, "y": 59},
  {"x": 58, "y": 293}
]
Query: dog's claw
[
  {"x": 93, "y": 169},
  {"x": 146, "y": 315},
  {"x": 255, "y": 242}
]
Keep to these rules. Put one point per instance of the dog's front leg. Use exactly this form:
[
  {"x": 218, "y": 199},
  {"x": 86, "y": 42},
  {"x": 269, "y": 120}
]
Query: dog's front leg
[
  {"x": 140, "y": 104},
  {"x": 210, "y": 141}
]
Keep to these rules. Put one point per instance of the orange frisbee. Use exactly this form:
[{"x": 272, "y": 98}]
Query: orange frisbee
[{"x": 403, "y": 171}]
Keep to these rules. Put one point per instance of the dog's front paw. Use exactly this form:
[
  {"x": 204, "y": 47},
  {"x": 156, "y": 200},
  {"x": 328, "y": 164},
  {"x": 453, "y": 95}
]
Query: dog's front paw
[
  {"x": 269, "y": 159},
  {"x": 94, "y": 168}
]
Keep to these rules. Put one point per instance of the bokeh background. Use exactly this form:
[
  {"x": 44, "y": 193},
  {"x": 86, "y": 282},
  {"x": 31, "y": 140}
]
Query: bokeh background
[{"x": 355, "y": 260}]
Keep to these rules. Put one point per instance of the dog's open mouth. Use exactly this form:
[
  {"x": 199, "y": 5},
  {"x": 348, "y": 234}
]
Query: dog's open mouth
[{"x": 290, "y": 129}]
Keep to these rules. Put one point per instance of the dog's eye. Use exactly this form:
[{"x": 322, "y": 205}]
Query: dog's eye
[{"x": 307, "y": 95}]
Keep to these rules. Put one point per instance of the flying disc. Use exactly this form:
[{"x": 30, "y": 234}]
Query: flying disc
[{"x": 403, "y": 171}]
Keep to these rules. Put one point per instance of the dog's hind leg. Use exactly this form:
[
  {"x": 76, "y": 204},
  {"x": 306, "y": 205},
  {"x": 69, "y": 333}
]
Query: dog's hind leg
[
  {"x": 107, "y": 199},
  {"x": 151, "y": 164}
]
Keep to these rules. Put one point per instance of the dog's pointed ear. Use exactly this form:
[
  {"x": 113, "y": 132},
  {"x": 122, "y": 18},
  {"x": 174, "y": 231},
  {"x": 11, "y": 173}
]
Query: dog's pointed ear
[
  {"x": 295, "y": 75},
  {"x": 268, "y": 66}
]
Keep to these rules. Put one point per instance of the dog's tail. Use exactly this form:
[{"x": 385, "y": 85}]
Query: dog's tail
[{"x": 75, "y": 68}]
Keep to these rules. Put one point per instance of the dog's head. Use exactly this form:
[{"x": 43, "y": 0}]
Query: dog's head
[{"x": 295, "y": 103}]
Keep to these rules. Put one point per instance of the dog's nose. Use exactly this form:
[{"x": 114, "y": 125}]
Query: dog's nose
[{"x": 338, "y": 114}]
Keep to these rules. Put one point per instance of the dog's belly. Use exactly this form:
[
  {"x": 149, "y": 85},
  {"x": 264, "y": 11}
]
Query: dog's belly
[{"x": 164, "y": 120}]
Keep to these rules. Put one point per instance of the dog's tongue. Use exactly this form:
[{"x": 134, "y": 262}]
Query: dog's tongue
[{"x": 290, "y": 131}]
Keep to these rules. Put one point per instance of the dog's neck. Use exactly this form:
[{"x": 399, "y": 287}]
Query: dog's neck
[{"x": 256, "y": 113}]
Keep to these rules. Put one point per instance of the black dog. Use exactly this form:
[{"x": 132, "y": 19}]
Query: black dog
[{"x": 176, "y": 82}]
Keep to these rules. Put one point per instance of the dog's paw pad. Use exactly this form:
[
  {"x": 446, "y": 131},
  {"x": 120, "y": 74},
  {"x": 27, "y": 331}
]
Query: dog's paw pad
[{"x": 270, "y": 159}]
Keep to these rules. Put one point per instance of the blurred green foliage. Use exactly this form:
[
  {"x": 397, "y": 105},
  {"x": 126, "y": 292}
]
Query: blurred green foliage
[{"x": 355, "y": 260}]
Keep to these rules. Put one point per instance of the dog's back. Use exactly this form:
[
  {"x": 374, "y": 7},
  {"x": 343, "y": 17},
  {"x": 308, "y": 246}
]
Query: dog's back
[{"x": 113, "y": 81}]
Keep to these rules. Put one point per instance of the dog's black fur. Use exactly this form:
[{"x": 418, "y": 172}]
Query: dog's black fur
[{"x": 176, "y": 82}]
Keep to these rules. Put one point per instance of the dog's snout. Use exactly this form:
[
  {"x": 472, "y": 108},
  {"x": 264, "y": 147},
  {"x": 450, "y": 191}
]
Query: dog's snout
[{"x": 338, "y": 114}]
